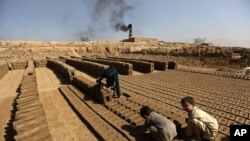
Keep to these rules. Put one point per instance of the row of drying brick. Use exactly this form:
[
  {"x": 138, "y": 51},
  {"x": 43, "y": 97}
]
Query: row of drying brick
[
  {"x": 3, "y": 69},
  {"x": 222, "y": 116},
  {"x": 122, "y": 67},
  {"x": 66, "y": 70},
  {"x": 84, "y": 84},
  {"x": 239, "y": 116},
  {"x": 158, "y": 65},
  {"x": 92, "y": 89},
  {"x": 176, "y": 114},
  {"x": 141, "y": 66},
  {"x": 105, "y": 114},
  {"x": 217, "y": 73},
  {"x": 101, "y": 128},
  {"x": 30, "y": 121},
  {"x": 94, "y": 69},
  {"x": 175, "y": 91}
]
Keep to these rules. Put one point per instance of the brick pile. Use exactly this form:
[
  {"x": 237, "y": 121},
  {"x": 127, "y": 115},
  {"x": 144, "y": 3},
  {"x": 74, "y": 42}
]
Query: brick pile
[
  {"x": 122, "y": 67},
  {"x": 67, "y": 71},
  {"x": 18, "y": 64},
  {"x": 92, "y": 89},
  {"x": 94, "y": 69},
  {"x": 40, "y": 63},
  {"x": 30, "y": 120},
  {"x": 102, "y": 124},
  {"x": 3, "y": 69},
  {"x": 141, "y": 66}
]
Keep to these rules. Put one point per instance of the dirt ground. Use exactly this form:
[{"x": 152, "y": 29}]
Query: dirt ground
[
  {"x": 63, "y": 123},
  {"x": 8, "y": 91}
]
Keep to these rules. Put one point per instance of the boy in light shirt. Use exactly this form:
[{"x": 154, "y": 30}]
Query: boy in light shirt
[{"x": 200, "y": 123}]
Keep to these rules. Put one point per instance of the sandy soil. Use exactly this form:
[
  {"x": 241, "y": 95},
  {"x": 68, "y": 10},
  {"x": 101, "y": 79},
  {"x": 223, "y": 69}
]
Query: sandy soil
[
  {"x": 8, "y": 91},
  {"x": 63, "y": 123}
]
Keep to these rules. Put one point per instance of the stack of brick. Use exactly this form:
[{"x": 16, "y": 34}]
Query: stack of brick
[
  {"x": 94, "y": 69},
  {"x": 92, "y": 89},
  {"x": 19, "y": 64},
  {"x": 30, "y": 120},
  {"x": 30, "y": 70},
  {"x": 63, "y": 58},
  {"x": 141, "y": 66},
  {"x": 67, "y": 71},
  {"x": 122, "y": 67},
  {"x": 41, "y": 63},
  {"x": 158, "y": 65},
  {"x": 3, "y": 69},
  {"x": 172, "y": 65}
]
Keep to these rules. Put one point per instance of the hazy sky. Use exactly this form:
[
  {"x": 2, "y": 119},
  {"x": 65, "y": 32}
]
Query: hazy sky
[{"x": 224, "y": 22}]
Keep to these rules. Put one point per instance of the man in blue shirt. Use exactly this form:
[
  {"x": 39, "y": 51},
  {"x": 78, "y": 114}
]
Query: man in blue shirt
[{"x": 112, "y": 81}]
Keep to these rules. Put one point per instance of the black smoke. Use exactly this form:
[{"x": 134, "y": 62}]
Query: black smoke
[
  {"x": 115, "y": 17},
  {"x": 122, "y": 27}
]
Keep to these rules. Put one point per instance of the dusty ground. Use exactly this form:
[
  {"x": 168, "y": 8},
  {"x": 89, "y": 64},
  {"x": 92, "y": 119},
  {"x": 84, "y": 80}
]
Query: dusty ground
[
  {"x": 63, "y": 123},
  {"x": 8, "y": 91}
]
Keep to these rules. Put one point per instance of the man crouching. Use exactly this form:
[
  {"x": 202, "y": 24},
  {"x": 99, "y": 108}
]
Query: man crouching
[
  {"x": 201, "y": 125},
  {"x": 161, "y": 128}
]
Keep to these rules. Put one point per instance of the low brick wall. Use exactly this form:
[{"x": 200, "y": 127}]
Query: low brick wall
[
  {"x": 158, "y": 65},
  {"x": 3, "y": 70},
  {"x": 122, "y": 67},
  {"x": 20, "y": 64},
  {"x": 40, "y": 63},
  {"x": 30, "y": 70},
  {"x": 67, "y": 71},
  {"x": 94, "y": 69},
  {"x": 141, "y": 66},
  {"x": 172, "y": 65},
  {"x": 92, "y": 89}
]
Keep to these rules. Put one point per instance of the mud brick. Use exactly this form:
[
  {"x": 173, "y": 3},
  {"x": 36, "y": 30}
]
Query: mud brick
[
  {"x": 117, "y": 111},
  {"x": 243, "y": 114},
  {"x": 227, "y": 109},
  {"x": 240, "y": 120},
  {"x": 127, "y": 115},
  {"x": 236, "y": 107},
  {"x": 214, "y": 111},
  {"x": 221, "y": 137},
  {"x": 110, "y": 104},
  {"x": 115, "y": 108},
  {"x": 216, "y": 116},
  {"x": 28, "y": 103},
  {"x": 139, "y": 121},
  {"x": 212, "y": 105},
  {"x": 247, "y": 122},
  {"x": 23, "y": 107},
  {"x": 207, "y": 109},
  {"x": 230, "y": 122},
  {"x": 222, "y": 114},
  {"x": 219, "y": 107},
  {"x": 222, "y": 121},
  {"x": 133, "y": 117},
  {"x": 230, "y": 116},
  {"x": 129, "y": 105},
  {"x": 235, "y": 112},
  {"x": 229, "y": 105},
  {"x": 224, "y": 130}
]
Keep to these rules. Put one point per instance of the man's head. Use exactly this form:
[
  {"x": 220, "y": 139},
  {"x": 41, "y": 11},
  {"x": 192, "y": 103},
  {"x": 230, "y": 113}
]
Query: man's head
[
  {"x": 187, "y": 103},
  {"x": 145, "y": 111}
]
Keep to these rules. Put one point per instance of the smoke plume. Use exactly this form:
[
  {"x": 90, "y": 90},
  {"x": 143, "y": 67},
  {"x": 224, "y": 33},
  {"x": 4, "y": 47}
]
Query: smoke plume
[{"x": 116, "y": 11}]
